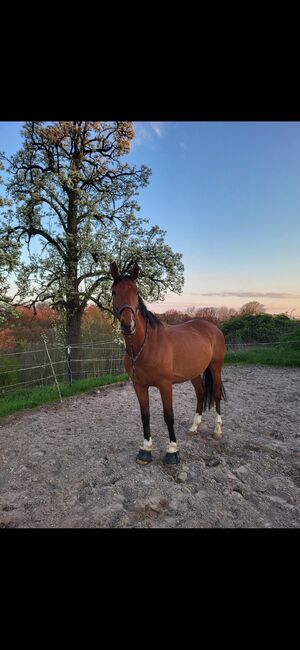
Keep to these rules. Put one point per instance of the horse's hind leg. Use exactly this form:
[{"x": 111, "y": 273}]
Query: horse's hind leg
[
  {"x": 199, "y": 389},
  {"x": 219, "y": 392}
]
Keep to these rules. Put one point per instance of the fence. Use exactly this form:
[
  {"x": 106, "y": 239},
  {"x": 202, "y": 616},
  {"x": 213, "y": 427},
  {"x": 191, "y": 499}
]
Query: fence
[
  {"x": 34, "y": 366},
  {"x": 38, "y": 365},
  {"x": 258, "y": 344},
  {"x": 238, "y": 347}
]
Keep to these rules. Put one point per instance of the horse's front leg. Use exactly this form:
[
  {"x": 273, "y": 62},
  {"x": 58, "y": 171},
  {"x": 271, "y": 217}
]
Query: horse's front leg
[
  {"x": 144, "y": 456},
  {"x": 172, "y": 454}
]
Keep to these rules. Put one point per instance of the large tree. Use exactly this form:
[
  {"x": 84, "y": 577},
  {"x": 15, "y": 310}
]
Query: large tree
[{"x": 72, "y": 191}]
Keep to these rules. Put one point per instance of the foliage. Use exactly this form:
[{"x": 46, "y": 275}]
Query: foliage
[
  {"x": 8, "y": 371},
  {"x": 10, "y": 250},
  {"x": 7, "y": 339},
  {"x": 284, "y": 352},
  {"x": 257, "y": 328},
  {"x": 96, "y": 324},
  {"x": 292, "y": 339},
  {"x": 23, "y": 326},
  {"x": 213, "y": 314},
  {"x": 252, "y": 307}
]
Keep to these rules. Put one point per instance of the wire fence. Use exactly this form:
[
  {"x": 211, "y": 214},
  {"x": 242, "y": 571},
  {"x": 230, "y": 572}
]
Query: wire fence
[
  {"x": 44, "y": 364},
  {"x": 238, "y": 347},
  {"x": 47, "y": 363}
]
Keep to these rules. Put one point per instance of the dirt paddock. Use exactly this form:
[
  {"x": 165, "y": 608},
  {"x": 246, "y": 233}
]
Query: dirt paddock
[{"x": 73, "y": 464}]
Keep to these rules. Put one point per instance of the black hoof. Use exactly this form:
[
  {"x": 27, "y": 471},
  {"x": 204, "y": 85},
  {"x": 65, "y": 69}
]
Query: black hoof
[
  {"x": 144, "y": 457},
  {"x": 171, "y": 458}
]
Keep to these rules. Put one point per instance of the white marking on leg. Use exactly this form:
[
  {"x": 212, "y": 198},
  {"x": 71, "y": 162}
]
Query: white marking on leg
[
  {"x": 196, "y": 423},
  {"x": 218, "y": 428},
  {"x": 147, "y": 444},
  {"x": 172, "y": 447}
]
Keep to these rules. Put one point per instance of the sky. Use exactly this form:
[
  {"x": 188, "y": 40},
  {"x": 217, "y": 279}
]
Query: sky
[{"x": 228, "y": 196}]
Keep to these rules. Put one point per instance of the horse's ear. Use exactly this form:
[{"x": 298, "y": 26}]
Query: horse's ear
[
  {"x": 114, "y": 270},
  {"x": 134, "y": 271}
]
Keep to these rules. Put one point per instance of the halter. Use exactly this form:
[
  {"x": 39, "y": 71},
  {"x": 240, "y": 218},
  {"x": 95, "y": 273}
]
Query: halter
[
  {"x": 119, "y": 311},
  {"x": 134, "y": 359}
]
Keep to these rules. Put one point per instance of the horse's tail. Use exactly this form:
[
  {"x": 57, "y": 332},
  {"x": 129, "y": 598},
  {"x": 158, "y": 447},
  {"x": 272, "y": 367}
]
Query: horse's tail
[{"x": 209, "y": 399}]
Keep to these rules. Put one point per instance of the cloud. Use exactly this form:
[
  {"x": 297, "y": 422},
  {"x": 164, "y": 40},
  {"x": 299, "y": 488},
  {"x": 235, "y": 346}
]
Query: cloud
[
  {"x": 252, "y": 294},
  {"x": 183, "y": 146},
  {"x": 158, "y": 128},
  {"x": 142, "y": 133},
  {"x": 147, "y": 132}
]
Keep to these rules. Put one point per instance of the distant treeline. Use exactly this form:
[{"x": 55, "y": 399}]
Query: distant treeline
[
  {"x": 21, "y": 327},
  {"x": 248, "y": 325}
]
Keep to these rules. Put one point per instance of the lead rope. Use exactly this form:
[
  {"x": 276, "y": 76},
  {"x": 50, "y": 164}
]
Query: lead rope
[{"x": 134, "y": 359}]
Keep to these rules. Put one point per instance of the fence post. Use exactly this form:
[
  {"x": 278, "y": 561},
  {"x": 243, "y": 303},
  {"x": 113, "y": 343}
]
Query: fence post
[
  {"x": 69, "y": 363},
  {"x": 53, "y": 371}
]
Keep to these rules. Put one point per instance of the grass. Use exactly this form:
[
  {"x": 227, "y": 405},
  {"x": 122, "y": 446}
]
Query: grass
[
  {"x": 287, "y": 353},
  {"x": 29, "y": 398},
  {"x": 281, "y": 356}
]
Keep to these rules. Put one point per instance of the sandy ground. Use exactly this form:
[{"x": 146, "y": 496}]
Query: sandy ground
[{"x": 73, "y": 464}]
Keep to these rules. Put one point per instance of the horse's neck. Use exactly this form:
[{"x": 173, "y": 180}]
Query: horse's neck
[{"x": 134, "y": 343}]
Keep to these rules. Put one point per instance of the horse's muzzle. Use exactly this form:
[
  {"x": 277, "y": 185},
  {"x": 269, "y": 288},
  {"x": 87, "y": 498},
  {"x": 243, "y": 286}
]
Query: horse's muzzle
[{"x": 127, "y": 330}]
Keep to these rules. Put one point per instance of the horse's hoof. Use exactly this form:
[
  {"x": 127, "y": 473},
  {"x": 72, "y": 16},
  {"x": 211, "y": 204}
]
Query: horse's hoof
[
  {"x": 171, "y": 458},
  {"x": 144, "y": 457},
  {"x": 217, "y": 435}
]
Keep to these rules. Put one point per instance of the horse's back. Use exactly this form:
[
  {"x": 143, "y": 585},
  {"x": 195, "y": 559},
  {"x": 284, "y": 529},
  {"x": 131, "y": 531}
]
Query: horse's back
[
  {"x": 195, "y": 344},
  {"x": 204, "y": 329},
  {"x": 210, "y": 331}
]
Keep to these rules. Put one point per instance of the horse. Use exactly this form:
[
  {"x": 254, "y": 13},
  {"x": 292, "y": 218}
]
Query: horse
[{"x": 158, "y": 354}]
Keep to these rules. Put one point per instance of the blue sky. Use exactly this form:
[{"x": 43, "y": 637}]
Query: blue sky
[{"x": 228, "y": 195}]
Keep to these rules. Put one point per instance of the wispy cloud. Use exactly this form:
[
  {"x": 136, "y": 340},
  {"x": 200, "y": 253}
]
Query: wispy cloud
[
  {"x": 148, "y": 132},
  {"x": 253, "y": 294},
  {"x": 142, "y": 133},
  {"x": 158, "y": 128},
  {"x": 183, "y": 146}
]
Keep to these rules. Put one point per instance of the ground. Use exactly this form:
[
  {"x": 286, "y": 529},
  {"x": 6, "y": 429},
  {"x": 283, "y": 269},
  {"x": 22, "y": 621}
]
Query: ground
[{"x": 72, "y": 465}]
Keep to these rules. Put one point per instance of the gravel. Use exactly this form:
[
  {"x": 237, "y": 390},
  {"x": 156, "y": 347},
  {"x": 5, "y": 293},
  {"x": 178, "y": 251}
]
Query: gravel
[{"x": 72, "y": 465}]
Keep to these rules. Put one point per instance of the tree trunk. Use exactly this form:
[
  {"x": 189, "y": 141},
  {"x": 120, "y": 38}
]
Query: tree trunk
[{"x": 74, "y": 311}]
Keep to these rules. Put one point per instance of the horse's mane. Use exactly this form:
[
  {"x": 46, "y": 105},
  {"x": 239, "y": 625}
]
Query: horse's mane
[{"x": 148, "y": 315}]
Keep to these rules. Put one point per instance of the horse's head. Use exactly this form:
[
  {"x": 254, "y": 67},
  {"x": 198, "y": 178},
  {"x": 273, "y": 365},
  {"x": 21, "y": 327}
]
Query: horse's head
[{"x": 125, "y": 297}]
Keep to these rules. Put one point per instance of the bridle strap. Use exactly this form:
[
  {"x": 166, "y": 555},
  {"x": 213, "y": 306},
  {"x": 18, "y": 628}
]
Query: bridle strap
[
  {"x": 134, "y": 359},
  {"x": 125, "y": 307}
]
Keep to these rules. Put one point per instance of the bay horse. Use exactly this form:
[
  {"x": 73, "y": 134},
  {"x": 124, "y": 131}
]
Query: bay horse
[{"x": 158, "y": 354}]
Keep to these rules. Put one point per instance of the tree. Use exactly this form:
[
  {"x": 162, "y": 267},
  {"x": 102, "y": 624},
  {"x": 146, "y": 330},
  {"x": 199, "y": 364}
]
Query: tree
[
  {"x": 73, "y": 192},
  {"x": 252, "y": 307}
]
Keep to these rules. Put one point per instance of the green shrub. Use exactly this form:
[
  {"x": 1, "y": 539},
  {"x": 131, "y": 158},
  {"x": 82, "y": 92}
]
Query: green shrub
[
  {"x": 258, "y": 328},
  {"x": 8, "y": 371}
]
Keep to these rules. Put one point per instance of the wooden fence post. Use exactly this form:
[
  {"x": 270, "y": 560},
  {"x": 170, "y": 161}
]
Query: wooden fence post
[
  {"x": 69, "y": 363},
  {"x": 53, "y": 371}
]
